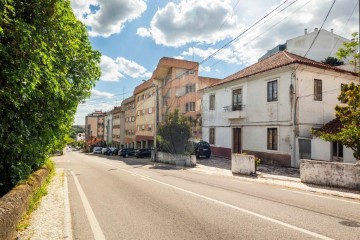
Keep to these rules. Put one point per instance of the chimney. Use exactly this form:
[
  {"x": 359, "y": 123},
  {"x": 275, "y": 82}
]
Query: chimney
[
  {"x": 316, "y": 29},
  {"x": 332, "y": 30},
  {"x": 305, "y": 30}
]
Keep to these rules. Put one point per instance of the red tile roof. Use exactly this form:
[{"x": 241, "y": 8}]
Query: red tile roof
[
  {"x": 278, "y": 60},
  {"x": 332, "y": 127}
]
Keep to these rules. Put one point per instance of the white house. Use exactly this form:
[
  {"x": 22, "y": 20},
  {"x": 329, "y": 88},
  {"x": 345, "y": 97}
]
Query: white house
[
  {"x": 269, "y": 108},
  {"x": 326, "y": 45}
]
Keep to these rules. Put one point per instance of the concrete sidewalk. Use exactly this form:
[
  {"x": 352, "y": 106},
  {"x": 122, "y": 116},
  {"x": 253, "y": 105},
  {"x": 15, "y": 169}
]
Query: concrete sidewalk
[{"x": 285, "y": 177}]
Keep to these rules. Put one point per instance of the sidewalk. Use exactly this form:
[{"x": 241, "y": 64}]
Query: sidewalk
[{"x": 285, "y": 177}]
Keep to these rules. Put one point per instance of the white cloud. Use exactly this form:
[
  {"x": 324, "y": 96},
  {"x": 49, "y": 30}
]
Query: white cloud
[
  {"x": 108, "y": 16},
  {"x": 131, "y": 68},
  {"x": 280, "y": 27},
  {"x": 192, "y": 21},
  {"x": 205, "y": 69},
  {"x": 113, "y": 70},
  {"x": 97, "y": 93},
  {"x": 110, "y": 69}
]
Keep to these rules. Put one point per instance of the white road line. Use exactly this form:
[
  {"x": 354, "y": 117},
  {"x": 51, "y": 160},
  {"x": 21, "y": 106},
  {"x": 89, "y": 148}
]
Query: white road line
[
  {"x": 313, "y": 234},
  {"x": 67, "y": 215},
  {"x": 242, "y": 181},
  {"x": 316, "y": 195},
  {"x": 94, "y": 224}
]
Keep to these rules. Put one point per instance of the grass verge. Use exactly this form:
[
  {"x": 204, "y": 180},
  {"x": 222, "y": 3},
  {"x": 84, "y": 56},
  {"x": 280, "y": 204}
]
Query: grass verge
[{"x": 37, "y": 196}]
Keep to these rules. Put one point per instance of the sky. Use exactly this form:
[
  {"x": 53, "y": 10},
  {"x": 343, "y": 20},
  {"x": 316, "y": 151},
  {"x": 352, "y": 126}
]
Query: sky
[{"x": 133, "y": 35}]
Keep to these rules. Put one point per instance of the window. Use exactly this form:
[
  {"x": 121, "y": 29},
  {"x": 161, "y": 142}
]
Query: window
[
  {"x": 150, "y": 94},
  {"x": 272, "y": 139},
  {"x": 212, "y": 135},
  {"x": 143, "y": 111},
  {"x": 150, "y": 110},
  {"x": 212, "y": 102},
  {"x": 190, "y": 88},
  {"x": 143, "y": 127},
  {"x": 237, "y": 99},
  {"x": 150, "y": 127},
  {"x": 143, "y": 96},
  {"x": 138, "y": 98},
  {"x": 272, "y": 91},
  {"x": 337, "y": 151},
  {"x": 190, "y": 106},
  {"x": 317, "y": 90}
]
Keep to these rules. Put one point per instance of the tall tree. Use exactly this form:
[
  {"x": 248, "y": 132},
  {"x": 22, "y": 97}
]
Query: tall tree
[{"x": 47, "y": 66}]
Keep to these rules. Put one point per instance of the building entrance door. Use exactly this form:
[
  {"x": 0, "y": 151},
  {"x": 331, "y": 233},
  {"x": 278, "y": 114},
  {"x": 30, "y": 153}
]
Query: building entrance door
[{"x": 236, "y": 140}]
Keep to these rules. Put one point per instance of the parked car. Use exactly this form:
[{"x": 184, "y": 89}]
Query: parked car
[
  {"x": 201, "y": 149},
  {"x": 97, "y": 150},
  {"x": 143, "y": 152},
  {"x": 112, "y": 151},
  {"x": 103, "y": 150},
  {"x": 125, "y": 152}
]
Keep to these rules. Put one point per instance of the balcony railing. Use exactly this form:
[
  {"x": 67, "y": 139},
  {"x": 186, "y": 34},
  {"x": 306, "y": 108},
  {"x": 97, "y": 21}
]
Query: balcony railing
[
  {"x": 234, "y": 108},
  {"x": 234, "y": 111}
]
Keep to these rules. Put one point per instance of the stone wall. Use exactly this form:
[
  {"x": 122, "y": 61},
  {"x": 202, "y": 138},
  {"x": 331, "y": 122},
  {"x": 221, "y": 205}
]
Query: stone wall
[
  {"x": 16, "y": 202},
  {"x": 333, "y": 174}
]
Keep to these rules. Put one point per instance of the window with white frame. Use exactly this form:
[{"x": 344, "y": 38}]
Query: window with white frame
[
  {"x": 272, "y": 139},
  {"x": 150, "y": 127}
]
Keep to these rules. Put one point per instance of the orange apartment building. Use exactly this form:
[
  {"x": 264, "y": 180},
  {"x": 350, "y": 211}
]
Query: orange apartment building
[{"x": 179, "y": 82}]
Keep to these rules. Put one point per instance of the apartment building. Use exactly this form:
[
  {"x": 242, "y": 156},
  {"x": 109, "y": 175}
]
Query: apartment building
[
  {"x": 145, "y": 114},
  {"x": 179, "y": 82},
  {"x": 118, "y": 127},
  {"x": 129, "y": 122},
  {"x": 94, "y": 128},
  {"x": 108, "y": 128}
]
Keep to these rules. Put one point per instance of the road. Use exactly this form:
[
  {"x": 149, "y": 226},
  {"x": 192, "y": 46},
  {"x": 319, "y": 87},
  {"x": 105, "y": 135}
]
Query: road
[{"x": 117, "y": 198}]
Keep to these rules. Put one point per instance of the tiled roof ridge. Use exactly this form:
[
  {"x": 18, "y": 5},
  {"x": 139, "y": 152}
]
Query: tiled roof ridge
[{"x": 287, "y": 55}]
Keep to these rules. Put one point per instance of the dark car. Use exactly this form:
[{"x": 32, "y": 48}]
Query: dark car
[
  {"x": 143, "y": 152},
  {"x": 104, "y": 150},
  {"x": 125, "y": 152},
  {"x": 202, "y": 149},
  {"x": 112, "y": 151}
]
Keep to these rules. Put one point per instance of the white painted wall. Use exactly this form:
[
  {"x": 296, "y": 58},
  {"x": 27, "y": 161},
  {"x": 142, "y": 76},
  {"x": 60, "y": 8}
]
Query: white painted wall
[
  {"x": 321, "y": 150},
  {"x": 326, "y": 45}
]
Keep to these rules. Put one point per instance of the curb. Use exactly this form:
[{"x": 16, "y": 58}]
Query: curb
[{"x": 16, "y": 202}]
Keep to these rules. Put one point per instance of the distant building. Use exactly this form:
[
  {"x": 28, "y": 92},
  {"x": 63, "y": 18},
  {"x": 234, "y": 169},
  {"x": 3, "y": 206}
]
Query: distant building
[
  {"x": 94, "y": 128},
  {"x": 326, "y": 45},
  {"x": 118, "y": 127},
  {"x": 129, "y": 123},
  {"x": 108, "y": 128}
]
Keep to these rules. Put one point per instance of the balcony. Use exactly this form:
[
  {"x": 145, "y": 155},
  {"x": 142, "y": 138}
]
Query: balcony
[{"x": 234, "y": 112}]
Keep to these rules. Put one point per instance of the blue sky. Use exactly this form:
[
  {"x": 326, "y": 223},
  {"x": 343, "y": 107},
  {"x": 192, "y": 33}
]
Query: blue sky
[{"x": 132, "y": 36}]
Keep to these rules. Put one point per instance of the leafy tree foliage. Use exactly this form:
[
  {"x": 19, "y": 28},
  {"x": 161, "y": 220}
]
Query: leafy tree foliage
[
  {"x": 350, "y": 51},
  {"x": 332, "y": 61},
  {"x": 75, "y": 129},
  {"x": 348, "y": 114},
  {"x": 47, "y": 66},
  {"x": 174, "y": 133}
]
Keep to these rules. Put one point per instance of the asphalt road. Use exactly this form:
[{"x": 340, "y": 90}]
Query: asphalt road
[{"x": 117, "y": 198}]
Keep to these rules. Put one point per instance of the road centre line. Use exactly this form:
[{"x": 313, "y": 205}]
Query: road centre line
[
  {"x": 302, "y": 230},
  {"x": 316, "y": 195},
  {"x": 94, "y": 224}
]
